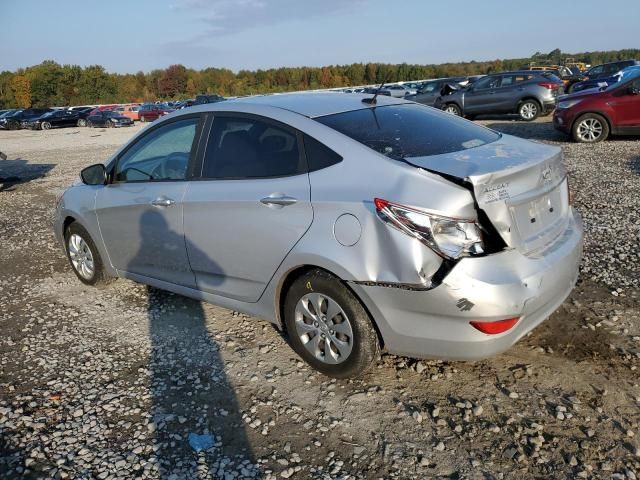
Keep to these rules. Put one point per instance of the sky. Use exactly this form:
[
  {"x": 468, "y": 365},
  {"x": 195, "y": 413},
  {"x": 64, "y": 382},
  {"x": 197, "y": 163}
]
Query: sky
[{"x": 132, "y": 35}]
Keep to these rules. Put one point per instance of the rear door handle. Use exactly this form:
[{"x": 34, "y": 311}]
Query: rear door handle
[
  {"x": 162, "y": 202},
  {"x": 278, "y": 200}
]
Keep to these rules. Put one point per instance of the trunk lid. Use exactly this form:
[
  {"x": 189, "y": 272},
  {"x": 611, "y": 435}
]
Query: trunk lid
[{"x": 519, "y": 184}]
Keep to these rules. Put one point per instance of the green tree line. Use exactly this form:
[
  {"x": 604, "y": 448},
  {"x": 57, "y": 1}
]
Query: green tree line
[{"x": 52, "y": 84}]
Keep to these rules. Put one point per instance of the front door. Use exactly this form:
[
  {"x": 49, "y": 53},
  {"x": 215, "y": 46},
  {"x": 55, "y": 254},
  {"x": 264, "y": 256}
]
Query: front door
[
  {"x": 140, "y": 211},
  {"x": 481, "y": 97},
  {"x": 250, "y": 207},
  {"x": 627, "y": 105}
]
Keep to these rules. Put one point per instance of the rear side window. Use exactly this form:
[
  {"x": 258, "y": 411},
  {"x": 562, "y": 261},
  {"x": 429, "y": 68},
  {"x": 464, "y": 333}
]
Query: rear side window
[
  {"x": 241, "y": 148},
  {"x": 319, "y": 156},
  {"x": 409, "y": 130}
]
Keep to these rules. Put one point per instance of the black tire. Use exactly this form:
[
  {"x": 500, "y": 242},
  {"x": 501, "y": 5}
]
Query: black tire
[
  {"x": 99, "y": 276},
  {"x": 89, "y": 124},
  {"x": 365, "y": 345},
  {"x": 82, "y": 122},
  {"x": 529, "y": 110},
  {"x": 45, "y": 126},
  {"x": 452, "y": 108},
  {"x": 593, "y": 122},
  {"x": 13, "y": 125},
  {"x": 142, "y": 119}
]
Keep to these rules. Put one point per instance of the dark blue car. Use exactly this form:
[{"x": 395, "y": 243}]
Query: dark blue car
[{"x": 600, "y": 82}]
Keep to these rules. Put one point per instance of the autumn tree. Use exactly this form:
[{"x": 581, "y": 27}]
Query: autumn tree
[
  {"x": 173, "y": 81},
  {"x": 21, "y": 88}
]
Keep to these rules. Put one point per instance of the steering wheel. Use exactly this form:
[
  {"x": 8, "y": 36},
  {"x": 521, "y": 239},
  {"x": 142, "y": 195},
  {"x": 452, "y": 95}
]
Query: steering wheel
[{"x": 172, "y": 167}]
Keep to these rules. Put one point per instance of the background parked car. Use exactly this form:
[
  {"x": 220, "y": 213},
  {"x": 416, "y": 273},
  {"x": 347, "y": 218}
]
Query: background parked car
[
  {"x": 57, "y": 119},
  {"x": 527, "y": 93},
  {"x": 398, "y": 91},
  {"x": 150, "y": 112},
  {"x": 201, "y": 99},
  {"x": 14, "y": 120},
  {"x": 130, "y": 111},
  {"x": 431, "y": 90},
  {"x": 605, "y": 70},
  {"x": 601, "y": 82},
  {"x": 108, "y": 119},
  {"x": 590, "y": 116}
]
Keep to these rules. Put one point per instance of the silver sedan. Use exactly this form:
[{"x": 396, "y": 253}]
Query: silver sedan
[{"x": 353, "y": 225}]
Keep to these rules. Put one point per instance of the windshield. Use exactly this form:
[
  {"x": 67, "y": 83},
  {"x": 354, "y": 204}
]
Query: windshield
[
  {"x": 409, "y": 130},
  {"x": 623, "y": 76}
]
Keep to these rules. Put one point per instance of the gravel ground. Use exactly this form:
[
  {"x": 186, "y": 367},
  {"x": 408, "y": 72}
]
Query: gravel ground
[{"x": 109, "y": 383}]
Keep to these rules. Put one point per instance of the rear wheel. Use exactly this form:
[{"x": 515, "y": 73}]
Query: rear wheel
[
  {"x": 89, "y": 124},
  {"x": 82, "y": 122},
  {"x": 83, "y": 256},
  {"x": 453, "y": 109},
  {"x": 590, "y": 128},
  {"x": 328, "y": 327},
  {"x": 142, "y": 119},
  {"x": 529, "y": 110}
]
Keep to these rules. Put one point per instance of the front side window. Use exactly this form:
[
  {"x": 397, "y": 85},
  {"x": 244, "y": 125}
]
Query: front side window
[
  {"x": 161, "y": 155},
  {"x": 487, "y": 82},
  {"x": 241, "y": 148},
  {"x": 409, "y": 130}
]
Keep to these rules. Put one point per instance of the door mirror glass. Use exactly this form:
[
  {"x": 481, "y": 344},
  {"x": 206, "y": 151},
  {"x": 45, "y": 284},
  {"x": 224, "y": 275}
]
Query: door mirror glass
[{"x": 94, "y": 175}]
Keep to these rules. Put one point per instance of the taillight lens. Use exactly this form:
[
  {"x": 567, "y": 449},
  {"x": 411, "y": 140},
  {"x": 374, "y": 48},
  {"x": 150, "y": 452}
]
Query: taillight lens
[
  {"x": 549, "y": 85},
  {"x": 493, "y": 328},
  {"x": 450, "y": 238}
]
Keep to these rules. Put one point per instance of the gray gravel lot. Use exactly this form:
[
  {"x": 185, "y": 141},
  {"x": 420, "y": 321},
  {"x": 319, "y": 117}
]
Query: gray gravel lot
[{"x": 108, "y": 383}]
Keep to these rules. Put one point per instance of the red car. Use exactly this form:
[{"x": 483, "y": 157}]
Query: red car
[
  {"x": 590, "y": 116},
  {"x": 148, "y": 113}
]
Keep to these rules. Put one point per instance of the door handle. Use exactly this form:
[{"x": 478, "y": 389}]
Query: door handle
[
  {"x": 280, "y": 200},
  {"x": 162, "y": 202}
]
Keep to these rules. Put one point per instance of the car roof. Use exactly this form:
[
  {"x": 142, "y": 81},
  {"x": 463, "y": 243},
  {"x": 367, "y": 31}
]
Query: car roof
[{"x": 317, "y": 104}]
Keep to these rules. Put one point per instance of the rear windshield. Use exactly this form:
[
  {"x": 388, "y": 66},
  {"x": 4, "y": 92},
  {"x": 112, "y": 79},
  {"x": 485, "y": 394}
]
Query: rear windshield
[{"x": 409, "y": 130}]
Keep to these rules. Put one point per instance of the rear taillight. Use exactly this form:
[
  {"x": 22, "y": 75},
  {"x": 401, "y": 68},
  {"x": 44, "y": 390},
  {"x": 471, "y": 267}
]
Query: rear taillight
[
  {"x": 493, "y": 328},
  {"x": 549, "y": 85},
  {"x": 450, "y": 238}
]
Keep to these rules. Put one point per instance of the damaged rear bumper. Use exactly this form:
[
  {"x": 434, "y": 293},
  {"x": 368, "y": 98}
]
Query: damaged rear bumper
[{"x": 435, "y": 323}]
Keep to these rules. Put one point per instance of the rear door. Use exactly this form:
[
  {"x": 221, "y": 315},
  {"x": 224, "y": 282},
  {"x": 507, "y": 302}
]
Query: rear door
[
  {"x": 249, "y": 208},
  {"x": 140, "y": 210}
]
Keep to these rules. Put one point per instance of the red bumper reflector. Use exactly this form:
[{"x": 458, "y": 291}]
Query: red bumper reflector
[{"x": 492, "y": 328}]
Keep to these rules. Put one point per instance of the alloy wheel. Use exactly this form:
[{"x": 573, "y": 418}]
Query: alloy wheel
[
  {"x": 323, "y": 328},
  {"x": 589, "y": 130},
  {"x": 81, "y": 256},
  {"x": 452, "y": 109},
  {"x": 528, "y": 110}
]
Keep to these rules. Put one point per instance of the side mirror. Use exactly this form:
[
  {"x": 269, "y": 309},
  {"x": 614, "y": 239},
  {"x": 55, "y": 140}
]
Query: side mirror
[{"x": 94, "y": 175}]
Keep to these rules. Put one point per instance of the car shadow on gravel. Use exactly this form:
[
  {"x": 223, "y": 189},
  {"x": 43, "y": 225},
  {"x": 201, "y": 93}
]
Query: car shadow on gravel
[
  {"x": 192, "y": 396},
  {"x": 14, "y": 172},
  {"x": 529, "y": 130}
]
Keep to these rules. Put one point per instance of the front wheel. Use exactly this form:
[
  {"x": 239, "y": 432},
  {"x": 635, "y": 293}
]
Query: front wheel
[
  {"x": 328, "y": 326},
  {"x": 45, "y": 126},
  {"x": 590, "y": 128},
  {"x": 89, "y": 124},
  {"x": 142, "y": 119},
  {"x": 83, "y": 256},
  {"x": 453, "y": 109},
  {"x": 529, "y": 110},
  {"x": 82, "y": 122}
]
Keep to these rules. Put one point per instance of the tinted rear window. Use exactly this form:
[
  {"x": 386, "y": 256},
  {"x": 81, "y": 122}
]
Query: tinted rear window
[{"x": 410, "y": 130}]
